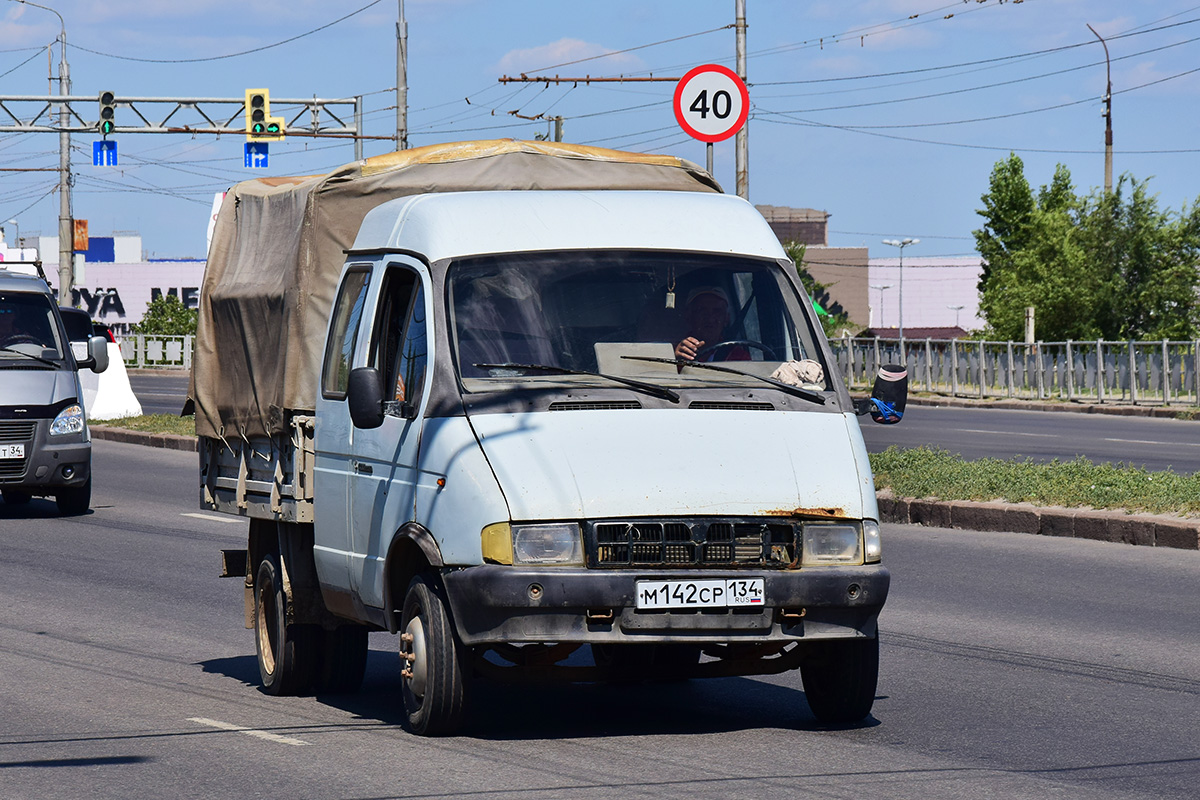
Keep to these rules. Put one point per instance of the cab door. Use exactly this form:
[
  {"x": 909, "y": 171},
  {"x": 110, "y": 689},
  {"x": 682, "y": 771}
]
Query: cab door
[
  {"x": 384, "y": 459},
  {"x": 334, "y": 434}
]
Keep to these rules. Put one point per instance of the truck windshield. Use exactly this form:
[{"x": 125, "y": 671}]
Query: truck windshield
[
  {"x": 619, "y": 312},
  {"x": 28, "y": 328}
]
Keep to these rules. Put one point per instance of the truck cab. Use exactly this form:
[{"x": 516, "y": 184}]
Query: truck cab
[{"x": 45, "y": 447}]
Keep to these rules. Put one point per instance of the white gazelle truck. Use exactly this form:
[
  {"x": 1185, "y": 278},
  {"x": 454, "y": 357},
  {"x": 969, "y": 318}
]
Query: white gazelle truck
[{"x": 508, "y": 400}]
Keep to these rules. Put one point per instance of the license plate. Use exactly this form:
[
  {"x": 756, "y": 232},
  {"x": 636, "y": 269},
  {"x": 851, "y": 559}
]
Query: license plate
[
  {"x": 717, "y": 593},
  {"x": 12, "y": 451}
]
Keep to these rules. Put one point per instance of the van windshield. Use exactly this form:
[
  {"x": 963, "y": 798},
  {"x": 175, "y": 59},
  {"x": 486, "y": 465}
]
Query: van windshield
[
  {"x": 28, "y": 328},
  {"x": 615, "y": 312}
]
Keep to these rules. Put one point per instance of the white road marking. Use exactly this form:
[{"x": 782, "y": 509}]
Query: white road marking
[
  {"x": 1148, "y": 441},
  {"x": 1007, "y": 433},
  {"x": 228, "y": 726},
  {"x": 213, "y": 517}
]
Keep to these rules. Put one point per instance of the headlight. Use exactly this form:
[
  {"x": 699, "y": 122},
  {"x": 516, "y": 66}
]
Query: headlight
[
  {"x": 69, "y": 420},
  {"x": 837, "y": 543},
  {"x": 552, "y": 543},
  {"x": 872, "y": 546}
]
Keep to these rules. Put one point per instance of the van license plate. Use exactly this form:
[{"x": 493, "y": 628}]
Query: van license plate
[
  {"x": 721, "y": 593},
  {"x": 12, "y": 451}
]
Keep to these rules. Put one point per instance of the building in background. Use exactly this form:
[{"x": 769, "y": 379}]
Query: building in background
[
  {"x": 941, "y": 298},
  {"x": 114, "y": 282}
]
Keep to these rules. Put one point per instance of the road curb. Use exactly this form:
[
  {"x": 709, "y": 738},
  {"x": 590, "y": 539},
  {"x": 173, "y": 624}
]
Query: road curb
[
  {"x": 1112, "y": 409},
  {"x": 1146, "y": 530},
  {"x": 168, "y": 441}
]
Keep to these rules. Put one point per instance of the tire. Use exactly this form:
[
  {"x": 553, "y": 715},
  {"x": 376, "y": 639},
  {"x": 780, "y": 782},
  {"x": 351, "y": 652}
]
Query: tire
[
  {"x": 839, "y": 679},
  {"x": 287, "y": 654},
  {"x": 15, "y": 497},
  {"x": 432, "y": 661},
  {"x": 76, "y": 500},
  {"x": 343, "y": 660}
]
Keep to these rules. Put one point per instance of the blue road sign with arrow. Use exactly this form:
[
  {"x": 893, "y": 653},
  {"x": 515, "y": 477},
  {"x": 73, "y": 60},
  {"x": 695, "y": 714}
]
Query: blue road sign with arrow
[
  {"x": 104, "y": 153},
  {"x": 256, "y": 155}
]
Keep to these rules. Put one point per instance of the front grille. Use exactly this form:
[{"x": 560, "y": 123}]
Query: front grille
[
  {"x": 693, "y": 543},
  {"x": 13, "y": 431},
  {"x": 16, "y": 432}
]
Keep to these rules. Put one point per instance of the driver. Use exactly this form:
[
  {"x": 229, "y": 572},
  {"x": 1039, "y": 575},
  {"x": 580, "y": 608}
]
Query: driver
[{"x": 706, "y": 313}]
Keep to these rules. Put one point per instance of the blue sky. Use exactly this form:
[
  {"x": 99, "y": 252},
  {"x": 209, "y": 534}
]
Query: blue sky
[{"x": 888, "y": 114}]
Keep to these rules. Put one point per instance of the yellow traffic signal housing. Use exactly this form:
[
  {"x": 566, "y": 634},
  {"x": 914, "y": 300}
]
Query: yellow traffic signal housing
[{"x": 260, "y": 125}]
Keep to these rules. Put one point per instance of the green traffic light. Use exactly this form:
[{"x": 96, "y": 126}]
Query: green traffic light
[
  {"x": 273, "y": 127},
  {"x": 257, "y": 127},
  {"x": 106, "y": 127}
]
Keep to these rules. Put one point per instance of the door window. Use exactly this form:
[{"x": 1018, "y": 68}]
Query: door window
[
  {"x": 400, "y": 347},
  {"x": 339, "y": 353}
]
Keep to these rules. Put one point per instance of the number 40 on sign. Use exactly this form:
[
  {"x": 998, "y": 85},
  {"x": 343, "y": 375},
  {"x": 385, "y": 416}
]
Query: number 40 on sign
[{"x": 711, "y": 103}]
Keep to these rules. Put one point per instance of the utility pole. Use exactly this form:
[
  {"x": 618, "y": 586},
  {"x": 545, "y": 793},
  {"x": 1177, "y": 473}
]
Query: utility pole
[
  {"x": 66, "y": 225},
  {"x": 401, "y": 80},
  {"x": 1108, "y": 138},
  {"x": 742, "y": 140}
]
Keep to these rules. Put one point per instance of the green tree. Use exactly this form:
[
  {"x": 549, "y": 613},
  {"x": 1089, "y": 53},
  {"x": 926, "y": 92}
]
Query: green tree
[
  {"x": 167, "y": 316},
  {"x": 1008, "y": 206}
]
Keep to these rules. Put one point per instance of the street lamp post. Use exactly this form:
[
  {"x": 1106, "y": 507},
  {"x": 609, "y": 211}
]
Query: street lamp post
[
  {"x": 956, "y": 309},
  {"x": 901, "y": 243},
  {"x": 881, "y": 287}
]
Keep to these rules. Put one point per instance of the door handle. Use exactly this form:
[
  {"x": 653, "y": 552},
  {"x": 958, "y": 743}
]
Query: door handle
[{"x": 363, "y": 469}]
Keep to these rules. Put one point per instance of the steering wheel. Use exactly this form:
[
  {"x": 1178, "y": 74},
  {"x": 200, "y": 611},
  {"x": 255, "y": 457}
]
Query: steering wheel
[
  {"x": 22, "y": 338},
  {"x": 767, "y": 352}
]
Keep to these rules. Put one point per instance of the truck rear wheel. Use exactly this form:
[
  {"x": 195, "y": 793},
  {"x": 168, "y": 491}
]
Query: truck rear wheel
[
  {"x": 432, "y": 663},
  {"x": 343, "y": 659},
  {"x": 839, "y": 679},
  {"x": 76, "y": 500},
  {"x": 287, "y": 654}
]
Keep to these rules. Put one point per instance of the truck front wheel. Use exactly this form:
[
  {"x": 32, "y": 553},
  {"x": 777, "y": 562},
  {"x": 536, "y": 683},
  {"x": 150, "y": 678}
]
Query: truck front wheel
[
  {"x": 432, "y": 662},
  {"x": 287, "y": 654},
  {"x": 839, "y": 679}
]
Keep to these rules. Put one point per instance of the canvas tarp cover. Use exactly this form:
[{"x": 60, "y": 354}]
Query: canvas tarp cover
[{"x": 279, "y": 244}]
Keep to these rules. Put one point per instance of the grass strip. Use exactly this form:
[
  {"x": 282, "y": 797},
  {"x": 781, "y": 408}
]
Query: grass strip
[
  {"x": 152, "y": 423},
  {"x": 936, "y": 473}
]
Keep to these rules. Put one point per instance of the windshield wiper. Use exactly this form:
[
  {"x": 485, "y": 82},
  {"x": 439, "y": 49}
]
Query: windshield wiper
[
  {"x": 804, "y": 394},
  {"x": 7, "y": 349},
  {"x": 648, "y": 388}
]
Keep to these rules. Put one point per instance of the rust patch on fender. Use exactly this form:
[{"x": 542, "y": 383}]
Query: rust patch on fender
[{"x": 826, "y": 512}]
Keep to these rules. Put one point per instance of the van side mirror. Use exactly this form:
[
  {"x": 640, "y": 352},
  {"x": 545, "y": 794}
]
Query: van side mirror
[
  {"x": 97, "y": 347},
  {"x": 365, "y": 396},
  {"x": 888, "y": 397}
]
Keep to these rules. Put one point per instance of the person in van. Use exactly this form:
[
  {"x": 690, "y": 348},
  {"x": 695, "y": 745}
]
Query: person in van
[
  {"x": 15, "y": 327},
  {"x": 706, "y": 313}
]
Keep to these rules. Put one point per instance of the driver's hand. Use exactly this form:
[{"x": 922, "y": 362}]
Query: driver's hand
[{"x": 688, "y": 348}]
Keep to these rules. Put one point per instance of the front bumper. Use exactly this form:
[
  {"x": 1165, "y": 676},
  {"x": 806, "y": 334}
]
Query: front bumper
[
  {"x": 493, "y": 604},
  {"x": 47, "y": 462}
]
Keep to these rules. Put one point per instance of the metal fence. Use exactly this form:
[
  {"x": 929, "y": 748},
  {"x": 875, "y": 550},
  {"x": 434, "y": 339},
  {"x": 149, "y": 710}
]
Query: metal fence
[
  {"x": 157, "y": 352},
  {"x": 1162, "y": 372}
]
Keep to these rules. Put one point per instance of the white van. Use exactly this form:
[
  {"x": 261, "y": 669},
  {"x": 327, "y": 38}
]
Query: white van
[{"x": 552, "y": 419}]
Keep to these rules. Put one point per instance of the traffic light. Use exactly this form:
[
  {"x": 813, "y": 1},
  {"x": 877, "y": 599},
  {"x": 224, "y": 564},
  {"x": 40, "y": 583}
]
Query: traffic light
[
  {"x": 108, "y": 112},
  {"x": 260, "y": 125}
]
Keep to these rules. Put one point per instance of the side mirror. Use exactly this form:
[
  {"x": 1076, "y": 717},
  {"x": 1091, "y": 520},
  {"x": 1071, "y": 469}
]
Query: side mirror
[
  {"x": 888, "y": 397},
  {"x": 97, "y": 347},
  {"x": 365, "y": 395}
]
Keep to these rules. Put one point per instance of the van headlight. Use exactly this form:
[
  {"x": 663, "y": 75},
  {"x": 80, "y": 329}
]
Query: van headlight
[
  {"x": 557, "y": 543},
  {"x": 831, "y": 543},
  {"x": 69, "y": 420}
]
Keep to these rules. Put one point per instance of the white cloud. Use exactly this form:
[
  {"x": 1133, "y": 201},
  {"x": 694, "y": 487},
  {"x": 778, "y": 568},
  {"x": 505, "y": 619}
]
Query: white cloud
[{"x": 564, "y": 50}]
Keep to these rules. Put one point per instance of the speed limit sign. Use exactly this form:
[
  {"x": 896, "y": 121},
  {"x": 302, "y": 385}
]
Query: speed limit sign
[{"x": 711, "y": 103}]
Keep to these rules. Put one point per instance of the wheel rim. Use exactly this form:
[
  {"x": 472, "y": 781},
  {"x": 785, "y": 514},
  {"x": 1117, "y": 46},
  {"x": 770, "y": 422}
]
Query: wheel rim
[
  {"x": 267, "y": 637},
  {"x": 416, "y": 683}
]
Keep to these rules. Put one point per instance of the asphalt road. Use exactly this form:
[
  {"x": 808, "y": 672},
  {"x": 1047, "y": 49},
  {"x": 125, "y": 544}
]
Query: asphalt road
[
  {"x": 1154, "y": 443},
  {"x": 1012, "y": 666},
  {"x": 1151, "y": 442}
]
